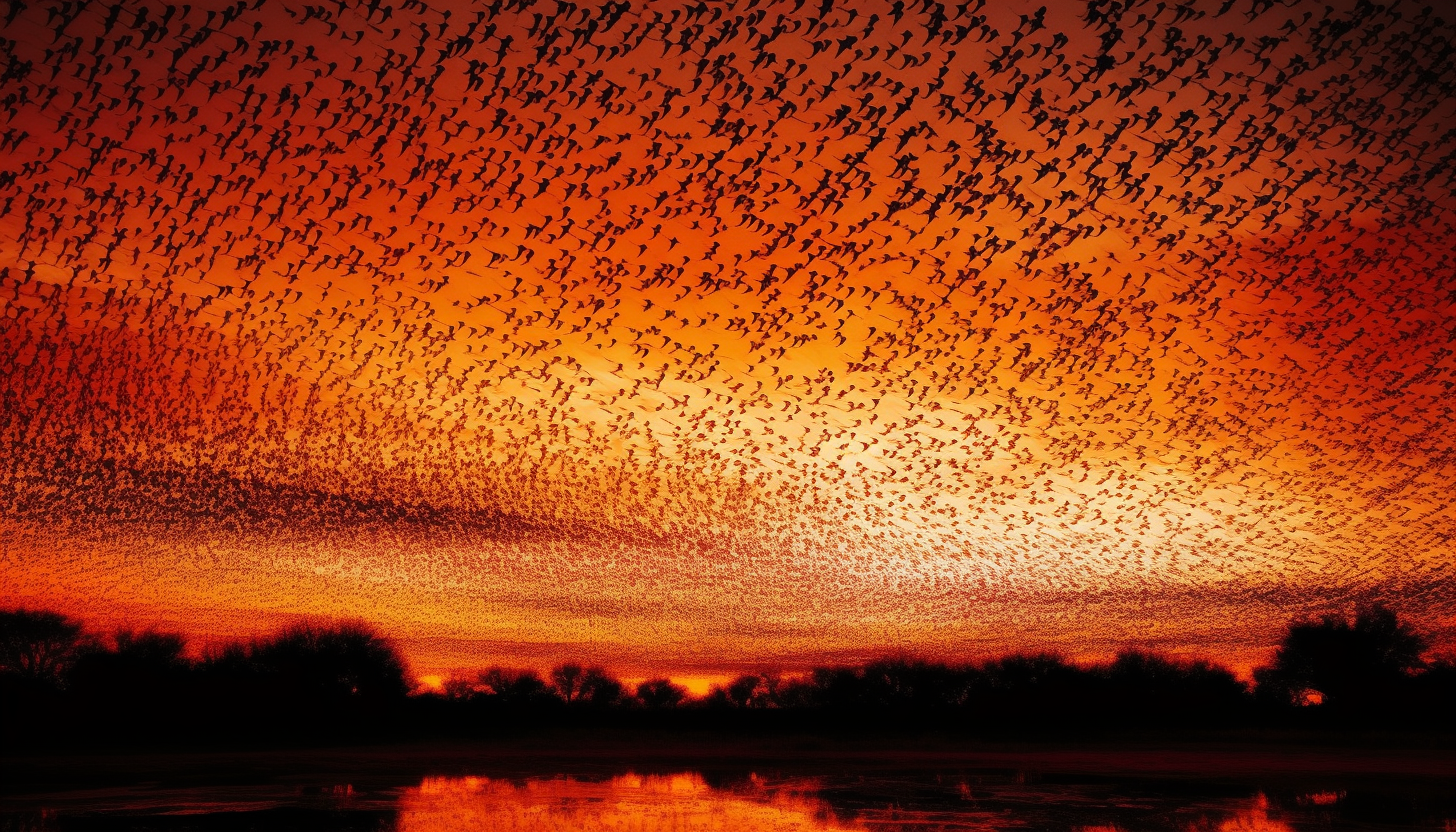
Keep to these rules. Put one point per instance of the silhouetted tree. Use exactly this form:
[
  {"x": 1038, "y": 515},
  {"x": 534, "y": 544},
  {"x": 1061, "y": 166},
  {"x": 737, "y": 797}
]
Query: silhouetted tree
[
  {"x": 137, "y": 685},
  {"x": 1041, "y": 689},
  {"x": 571, "y": 684},
  {"x": 232, "y": 683},
  {"x": 746, "y": 690},
  {"x": 323, "y": 664},
  {"x": 460, "y": 689},
  {"x": 795, "y": 693},
  {"x": 346, "y": 681},
  {"x": 136, "y": 661},
  {"x": 1347, "y": 667},
  {"x": 899, "y": 688},
  {"x": 658, "y": 694},
  {"x": 912, "y": 686},
  {"x": 566, "y": 680},
  {"x": 37, "y": 647},
  {"x": 600, "y": 689},
  {"x": 1146, "y": 687},
  {"x": 516, "y": 688}
]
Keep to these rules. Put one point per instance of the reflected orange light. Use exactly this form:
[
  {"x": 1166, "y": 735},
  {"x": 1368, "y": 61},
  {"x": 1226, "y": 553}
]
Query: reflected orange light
[
  {"x": 647, "y": 803},
  {"x": 1254, "y": 819}
]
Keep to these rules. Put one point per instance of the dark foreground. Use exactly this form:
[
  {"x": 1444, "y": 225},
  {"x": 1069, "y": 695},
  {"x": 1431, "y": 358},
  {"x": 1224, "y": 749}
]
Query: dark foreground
[{"x": 603, "y": 781}]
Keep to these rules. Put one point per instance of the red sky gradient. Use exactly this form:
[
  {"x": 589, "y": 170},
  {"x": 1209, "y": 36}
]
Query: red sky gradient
[{"x": 704, "y": 338}]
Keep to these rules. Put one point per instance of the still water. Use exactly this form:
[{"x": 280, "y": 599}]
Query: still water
[{"x": 690, "y": 801}]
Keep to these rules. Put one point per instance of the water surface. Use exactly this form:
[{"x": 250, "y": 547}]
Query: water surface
[{"x": 704, "y": 800}]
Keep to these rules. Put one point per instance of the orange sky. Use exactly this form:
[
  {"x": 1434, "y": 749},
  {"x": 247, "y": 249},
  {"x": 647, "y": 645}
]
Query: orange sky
[{"x": 694, "y": 339}]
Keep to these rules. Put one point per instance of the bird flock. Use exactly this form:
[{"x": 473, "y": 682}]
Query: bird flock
[{"x": 722, "y": 333}]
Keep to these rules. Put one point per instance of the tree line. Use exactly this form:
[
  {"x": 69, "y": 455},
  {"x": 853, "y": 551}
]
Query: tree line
[{"x": 347, "y": 681}]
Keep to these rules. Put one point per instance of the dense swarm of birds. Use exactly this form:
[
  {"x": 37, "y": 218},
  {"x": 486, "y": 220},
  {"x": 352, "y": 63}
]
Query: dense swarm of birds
[{"x": 730, "y": 329}]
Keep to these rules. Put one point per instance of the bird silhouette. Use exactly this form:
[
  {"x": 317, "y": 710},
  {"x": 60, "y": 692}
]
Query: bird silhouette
[{"x": 748, "y": 319}]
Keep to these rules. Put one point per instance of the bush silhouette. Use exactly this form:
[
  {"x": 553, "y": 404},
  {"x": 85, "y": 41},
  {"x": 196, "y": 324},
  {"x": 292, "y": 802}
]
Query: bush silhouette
[
  {"x": 566, "y": 681},
  {"x": 747, "y": 691},
  {"x": 600, "y": 689},
  {"x": 317, "y": 682},
  {"x": 37, "y": 647},
  {"x": 137, "y": 664},
  {"x": 1349, "y": 668},
  {"x": 461, "y": 689},
  {"x": 515, "y": 688},
  {"x": 329, "y": 664},
  {"x": 659, "y": 694},
  {"x": 1146, "y": 687}
]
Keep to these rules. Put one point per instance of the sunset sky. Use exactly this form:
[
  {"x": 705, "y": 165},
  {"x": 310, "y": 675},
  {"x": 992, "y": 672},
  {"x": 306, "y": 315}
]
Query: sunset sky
[{"x": 704, "y": 338}]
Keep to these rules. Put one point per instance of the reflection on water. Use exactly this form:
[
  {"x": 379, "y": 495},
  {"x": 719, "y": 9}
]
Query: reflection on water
[
  {"x": 1255, "y": 818},
  {"x": 677, "y": 802},
  {"x": 691, "y": 801}
]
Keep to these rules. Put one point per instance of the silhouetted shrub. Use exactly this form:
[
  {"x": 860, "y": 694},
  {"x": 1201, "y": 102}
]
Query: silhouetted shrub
[
  {"x": 566, "y": 681},
  {"x": 37, "y": 647},
  {"x": 1041, "y": 689},
  {"x": 310, "y": 680},
  {"x": 137, "y": 666},
  {"x": 1356, "y": 669},
  {"x": 1143, "y": 687},
  {"x": 331, "y": 664},
  {"x": 334, "y": 682},
  {"x": 600, "y": 689},
  {"x": 516, "y": 689},
  {"x": 658, "y": 694},
  {"x": 749, "y": 690}
]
